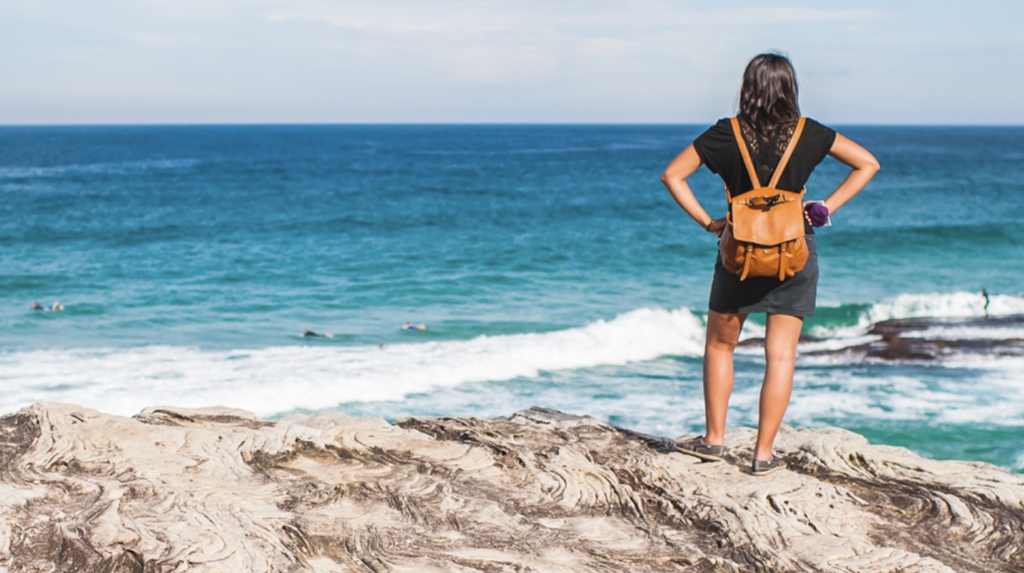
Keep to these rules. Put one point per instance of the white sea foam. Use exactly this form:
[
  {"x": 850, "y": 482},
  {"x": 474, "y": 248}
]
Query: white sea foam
[
  {"x": 952, "y": 305},
  {"x": 833, "y": 344},
  {"x": 751, "y": 330},
  {"x": 277, "y": 379},
  {"x": 939, "y": 332},
  {"x": 977, "y": 396}
]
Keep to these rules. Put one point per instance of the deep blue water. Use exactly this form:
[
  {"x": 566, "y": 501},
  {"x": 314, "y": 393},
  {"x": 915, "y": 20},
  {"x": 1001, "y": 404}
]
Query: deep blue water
[{"x": 548, "y": 263}]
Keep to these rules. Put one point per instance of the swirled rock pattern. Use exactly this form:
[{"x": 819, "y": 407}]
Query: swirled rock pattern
[{"x": 218, "y": 490}]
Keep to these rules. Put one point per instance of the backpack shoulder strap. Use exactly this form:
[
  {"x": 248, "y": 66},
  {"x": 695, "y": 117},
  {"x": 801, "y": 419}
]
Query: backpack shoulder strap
[
  {"x": 789, "y": 152},
  {"x": 745, "y": 153}
]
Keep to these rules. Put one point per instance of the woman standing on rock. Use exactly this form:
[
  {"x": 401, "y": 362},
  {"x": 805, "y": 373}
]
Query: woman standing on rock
[{"x": 767, "y": 124}]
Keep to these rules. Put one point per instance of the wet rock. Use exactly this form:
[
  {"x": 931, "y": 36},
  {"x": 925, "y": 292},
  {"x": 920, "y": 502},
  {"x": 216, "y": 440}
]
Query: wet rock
[
  {"x": 924, "y": 338},
  {"x": 927, "y": 339},
  {"x": 220, "y": 490}
]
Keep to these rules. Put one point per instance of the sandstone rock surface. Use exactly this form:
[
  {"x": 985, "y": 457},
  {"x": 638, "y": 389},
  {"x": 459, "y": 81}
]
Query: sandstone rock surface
[{"x": 218, "y": 490}]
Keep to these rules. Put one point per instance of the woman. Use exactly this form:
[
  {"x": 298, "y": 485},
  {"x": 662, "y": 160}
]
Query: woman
[{"x": 768, "y": 115}]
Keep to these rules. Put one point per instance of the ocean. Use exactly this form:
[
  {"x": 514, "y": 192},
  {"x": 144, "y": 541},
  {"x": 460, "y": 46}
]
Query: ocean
[{"x": 547, "y": 263}]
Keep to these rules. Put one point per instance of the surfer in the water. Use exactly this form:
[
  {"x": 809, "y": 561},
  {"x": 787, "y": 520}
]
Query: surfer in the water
[
  {"x": 310, "y": 334},
  {"x": 411, "y": 326}
]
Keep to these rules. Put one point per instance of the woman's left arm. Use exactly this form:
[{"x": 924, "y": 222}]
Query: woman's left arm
[
  {"x": 683, "y": 166},
  {"x": 863, "y": 165}
]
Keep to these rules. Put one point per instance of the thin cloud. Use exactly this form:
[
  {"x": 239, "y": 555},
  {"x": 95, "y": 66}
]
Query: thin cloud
[
  {"x": 781, "y": 15},
  {"x": 495, "y": 16}
]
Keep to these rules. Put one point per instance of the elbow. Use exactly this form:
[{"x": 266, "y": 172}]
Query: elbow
[
  {"x": 666, "y": 177},
  {"x": 872, "y": 164},
  {"x": 868, "y": 166}
]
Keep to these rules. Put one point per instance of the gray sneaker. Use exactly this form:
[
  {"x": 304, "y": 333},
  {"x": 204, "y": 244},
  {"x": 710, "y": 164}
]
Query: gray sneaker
[
  {"x": 765, "y": 467},
  {"x": 696, "y": 447}
]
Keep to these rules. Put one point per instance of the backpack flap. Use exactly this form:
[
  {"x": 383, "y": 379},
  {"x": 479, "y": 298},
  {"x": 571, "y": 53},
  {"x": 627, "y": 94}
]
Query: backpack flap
[{"x": 768, "y": 216}]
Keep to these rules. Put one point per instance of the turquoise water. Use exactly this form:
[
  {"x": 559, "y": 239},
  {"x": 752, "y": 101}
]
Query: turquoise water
[{"x": 548, "y": 263}]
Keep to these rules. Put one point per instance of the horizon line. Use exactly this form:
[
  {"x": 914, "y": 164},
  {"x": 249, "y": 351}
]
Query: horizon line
[{"x": 465, "y": 123}]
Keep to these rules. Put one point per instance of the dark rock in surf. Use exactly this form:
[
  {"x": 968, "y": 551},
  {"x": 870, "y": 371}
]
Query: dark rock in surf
[
  {"x": 927, "y": 339},
  {"x": 921, "y": 338}
]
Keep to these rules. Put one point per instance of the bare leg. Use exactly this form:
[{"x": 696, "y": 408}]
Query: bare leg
[
  {"x": 781, "y": 336},
  {"x": 722, "y": 336}
]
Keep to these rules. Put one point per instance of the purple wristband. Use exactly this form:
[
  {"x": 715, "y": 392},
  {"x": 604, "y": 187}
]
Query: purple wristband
[{"x": 817, "y": 214}]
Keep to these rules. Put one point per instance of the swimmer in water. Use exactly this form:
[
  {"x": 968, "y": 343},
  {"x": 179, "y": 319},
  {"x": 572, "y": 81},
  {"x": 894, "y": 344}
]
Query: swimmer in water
[
  {"x": 310, "y": 334},
  {"x": 411, "y": 326},
  {"x": 57, "y": 306},
  {"x": 984, "y": 294},
  {"x": 37, "y": 307}
]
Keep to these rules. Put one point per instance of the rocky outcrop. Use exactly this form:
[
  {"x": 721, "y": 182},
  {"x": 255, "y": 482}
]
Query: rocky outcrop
[
  {"x": 926, "y": 339},
  {"x": 220, "y": 490}
]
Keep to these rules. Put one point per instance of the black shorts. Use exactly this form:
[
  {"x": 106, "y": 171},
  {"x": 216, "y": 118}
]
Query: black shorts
[{"x": 794, "y": 296}]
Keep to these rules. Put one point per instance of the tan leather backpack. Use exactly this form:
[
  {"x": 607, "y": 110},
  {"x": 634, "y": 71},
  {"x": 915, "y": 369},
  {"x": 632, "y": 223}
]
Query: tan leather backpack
[{"x": 764, "y": 236}]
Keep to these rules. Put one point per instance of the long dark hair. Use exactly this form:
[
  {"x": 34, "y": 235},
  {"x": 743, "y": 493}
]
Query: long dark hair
[{"x": 769, "y": 93}]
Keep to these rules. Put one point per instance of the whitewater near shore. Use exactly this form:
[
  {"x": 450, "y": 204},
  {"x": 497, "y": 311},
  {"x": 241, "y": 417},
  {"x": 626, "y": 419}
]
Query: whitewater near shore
[
  {"x": 322, "y": 373},
  {"x": 901, "y": 371}
]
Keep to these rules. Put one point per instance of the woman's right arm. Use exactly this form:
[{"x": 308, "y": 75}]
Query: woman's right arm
[
  {"x": 674, "y": 178},
  {"x": 863, "y": 167}
]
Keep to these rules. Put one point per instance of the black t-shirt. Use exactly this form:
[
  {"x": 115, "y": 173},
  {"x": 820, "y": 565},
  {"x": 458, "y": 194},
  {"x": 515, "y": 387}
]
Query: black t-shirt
[{"x": 718, "y": 149}]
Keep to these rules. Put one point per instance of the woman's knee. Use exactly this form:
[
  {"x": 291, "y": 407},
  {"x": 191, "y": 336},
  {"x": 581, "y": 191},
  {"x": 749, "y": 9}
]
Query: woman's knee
[
  {"x": 724, "y": 331},
  {"x": 780, "y": 358},
  {"x": 782, "y": 334},
  {"x": 722, "y": 341}
]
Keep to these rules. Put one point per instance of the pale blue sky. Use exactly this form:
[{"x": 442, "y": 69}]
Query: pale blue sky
[{"x": 234, "y": 61}]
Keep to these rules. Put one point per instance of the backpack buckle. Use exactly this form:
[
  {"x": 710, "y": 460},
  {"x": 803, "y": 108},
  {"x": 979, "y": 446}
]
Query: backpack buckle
[{"x": 773, "y": 200}]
